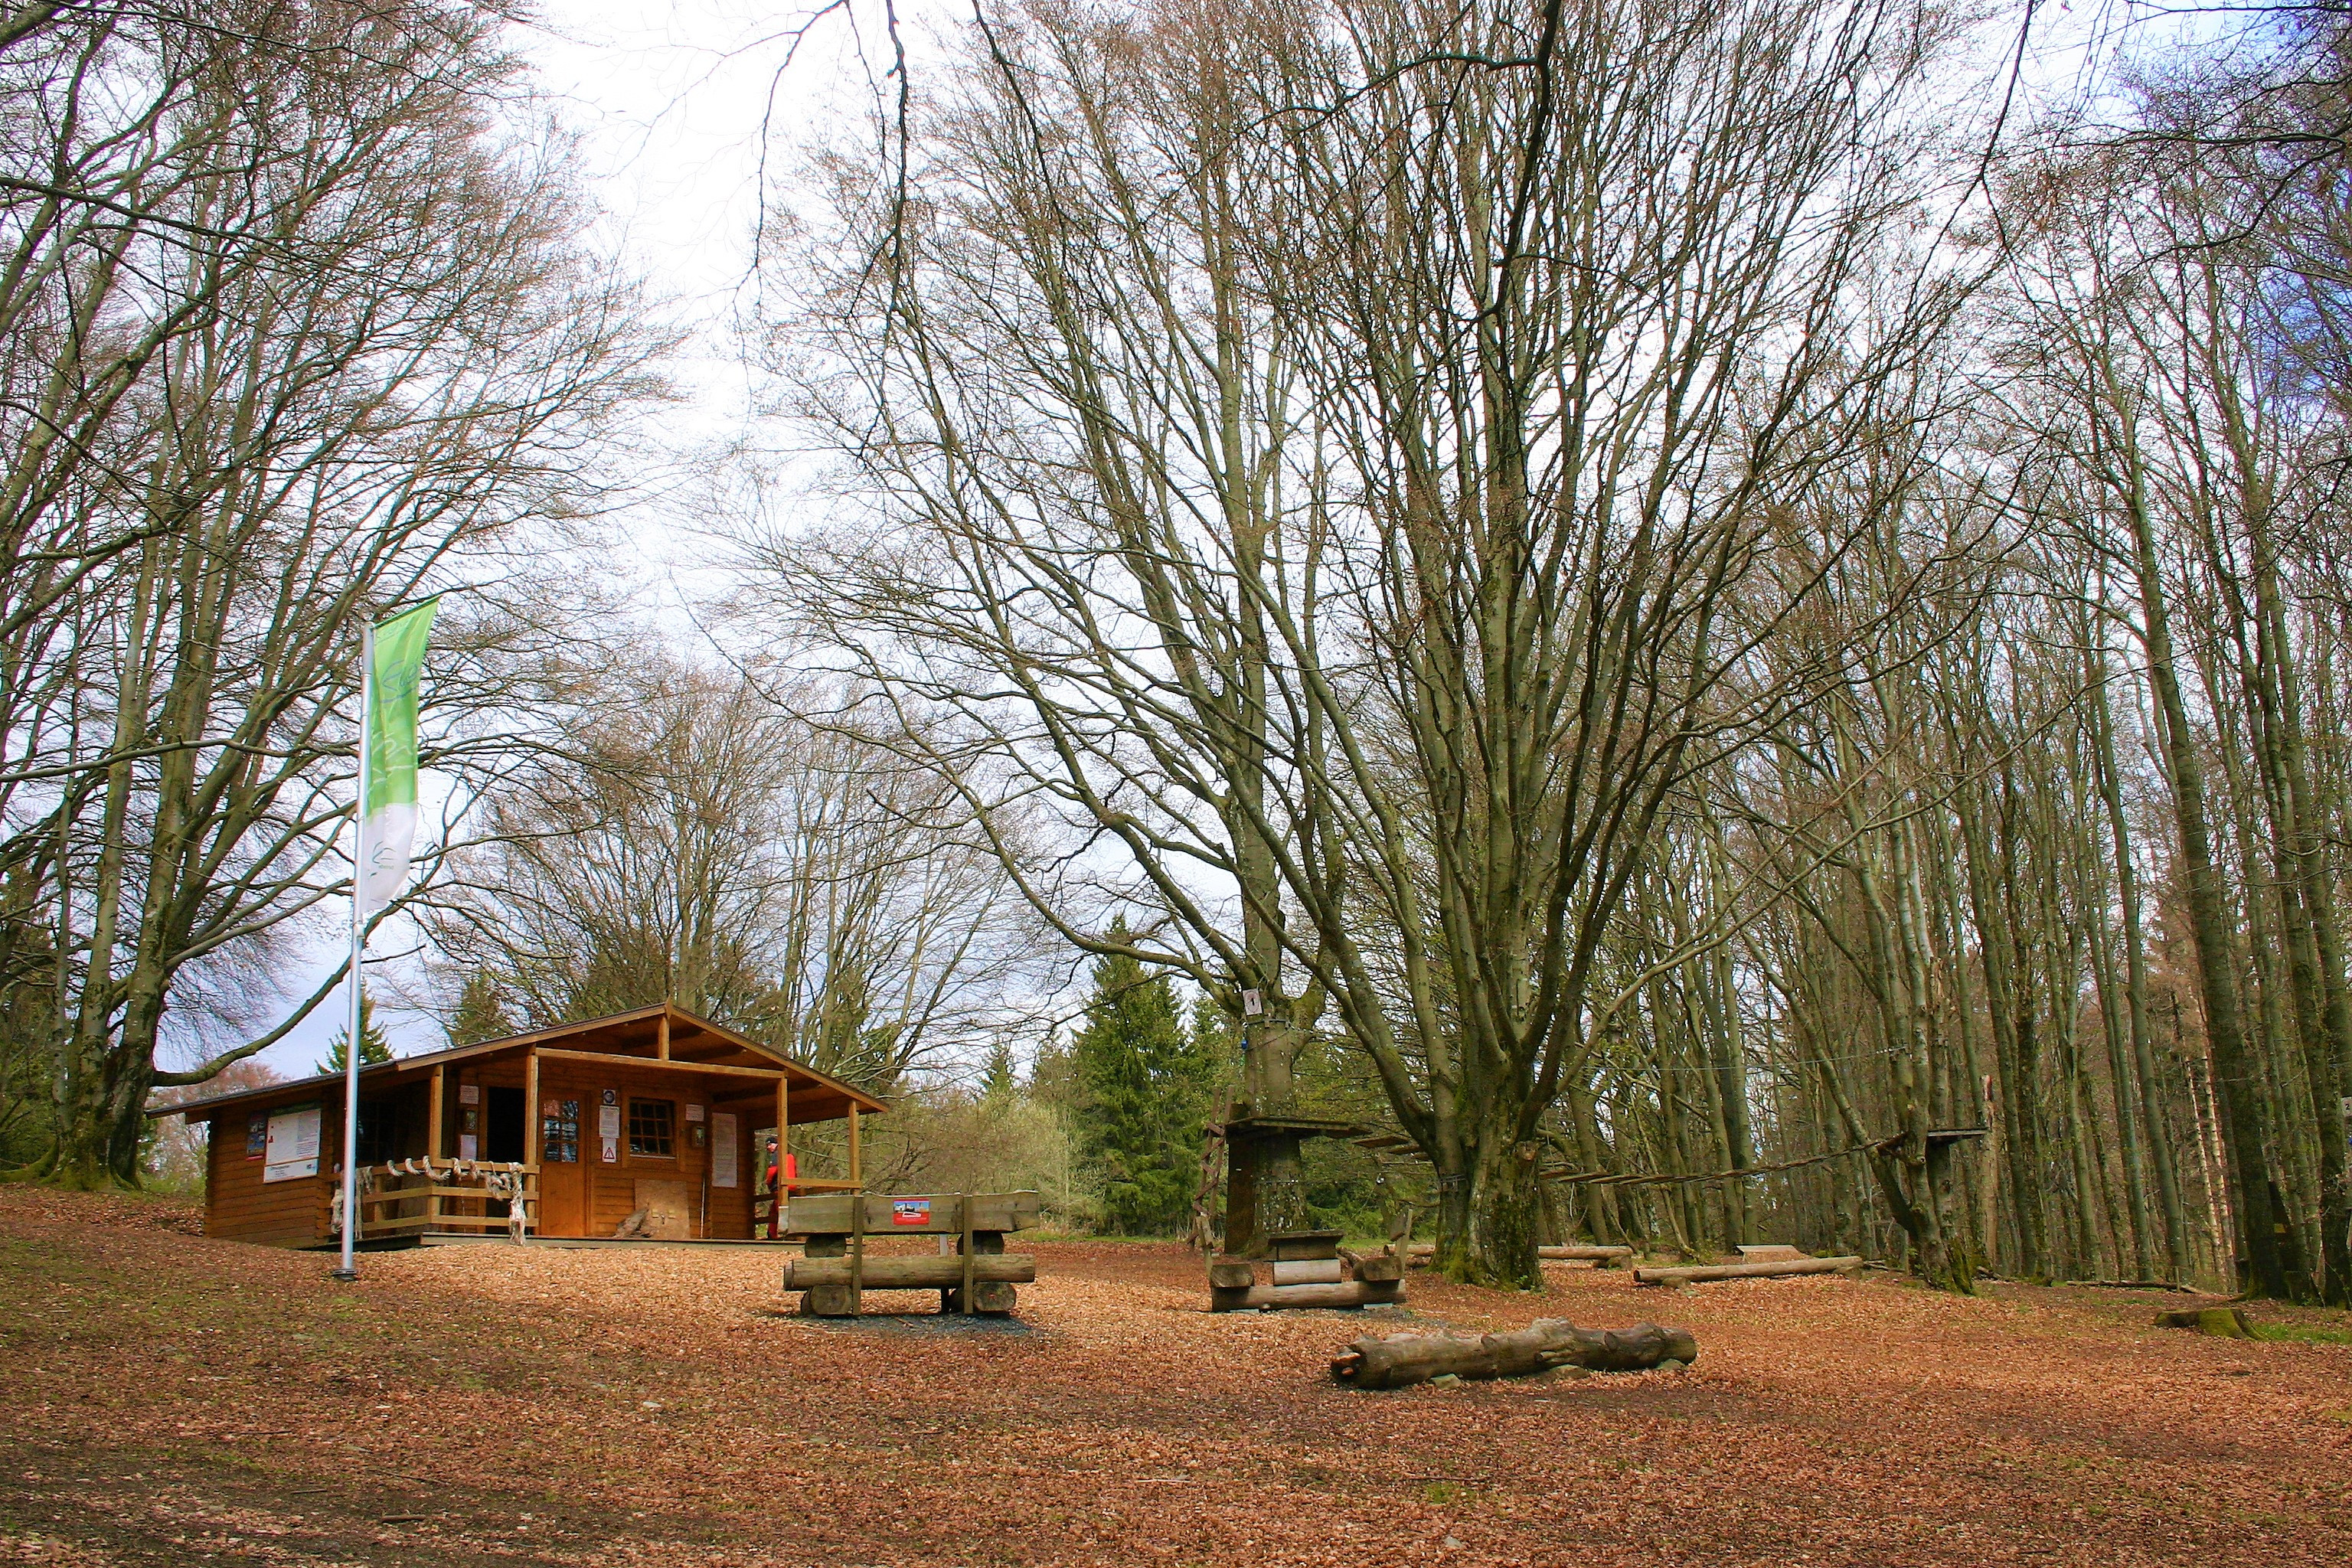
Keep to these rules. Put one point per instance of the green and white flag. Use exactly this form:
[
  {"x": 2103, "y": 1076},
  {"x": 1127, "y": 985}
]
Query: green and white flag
[{"x": 388, "y": 772}]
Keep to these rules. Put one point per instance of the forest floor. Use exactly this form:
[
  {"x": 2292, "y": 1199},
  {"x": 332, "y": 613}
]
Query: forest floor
[{"x": 166, "y": 1399}]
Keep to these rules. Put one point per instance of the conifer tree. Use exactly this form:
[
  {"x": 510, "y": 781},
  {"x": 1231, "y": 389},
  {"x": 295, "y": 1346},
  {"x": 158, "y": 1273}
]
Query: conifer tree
[
  {"x": 999, "y": 1079},
  {"x": 480, "y": 1013},
  {"x": 375, "y": 1046},
  {"x": 1144, "y": 1081}
]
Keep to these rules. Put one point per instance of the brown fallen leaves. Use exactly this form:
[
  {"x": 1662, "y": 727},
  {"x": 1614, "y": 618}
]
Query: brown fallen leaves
[{"x": 172, "y": 1399}]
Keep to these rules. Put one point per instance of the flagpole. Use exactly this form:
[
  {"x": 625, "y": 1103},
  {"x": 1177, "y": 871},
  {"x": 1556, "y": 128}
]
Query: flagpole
[{"x": 359, "y": 951}]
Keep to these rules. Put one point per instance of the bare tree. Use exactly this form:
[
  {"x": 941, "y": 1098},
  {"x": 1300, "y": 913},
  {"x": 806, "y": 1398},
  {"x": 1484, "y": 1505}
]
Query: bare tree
[
  {"x": 1293, "y": 480},
  {"x": 697, "y": 844},
  {"x": 384, "y": 357}
]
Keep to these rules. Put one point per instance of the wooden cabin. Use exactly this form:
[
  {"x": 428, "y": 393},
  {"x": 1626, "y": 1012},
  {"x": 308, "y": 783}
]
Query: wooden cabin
[{"x": 655, "y": 1113}]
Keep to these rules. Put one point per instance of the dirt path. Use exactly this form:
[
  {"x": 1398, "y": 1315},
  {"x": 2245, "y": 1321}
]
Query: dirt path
[{"x": 171, "y": 1399}]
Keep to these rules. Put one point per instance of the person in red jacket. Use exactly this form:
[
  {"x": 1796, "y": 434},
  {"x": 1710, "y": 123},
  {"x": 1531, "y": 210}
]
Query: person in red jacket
[{"x": 779, "y": 1194}]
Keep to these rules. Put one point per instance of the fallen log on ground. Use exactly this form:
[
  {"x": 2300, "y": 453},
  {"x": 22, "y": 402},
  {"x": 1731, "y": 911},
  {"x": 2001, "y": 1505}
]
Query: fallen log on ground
[
  {"x": 1402, "y": 1360},
  {"x": 1420, "y": 1253},
  {"x": 2120, "y": 1285},
  {"x": 1691, "y": 1273}
]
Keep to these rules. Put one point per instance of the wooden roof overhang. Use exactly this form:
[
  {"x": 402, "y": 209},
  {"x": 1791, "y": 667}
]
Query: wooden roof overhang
[{"x": 737, "y": 1065}]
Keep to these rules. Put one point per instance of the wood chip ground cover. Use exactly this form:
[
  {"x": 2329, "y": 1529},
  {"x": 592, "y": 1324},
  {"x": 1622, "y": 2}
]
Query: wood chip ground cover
[{"x": 172, "y": 1399}]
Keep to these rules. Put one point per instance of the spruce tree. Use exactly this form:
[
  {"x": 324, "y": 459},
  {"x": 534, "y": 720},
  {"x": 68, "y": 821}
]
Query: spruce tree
[
  {"x": 998, "y": 1080},
  {"x": 374, "y": 1046},
  {"x": 1144, "y": 1084},
  {"x": 480, "y": 1014}
]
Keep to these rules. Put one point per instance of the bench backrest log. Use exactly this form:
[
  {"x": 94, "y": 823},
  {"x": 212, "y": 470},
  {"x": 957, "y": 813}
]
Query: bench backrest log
[{"x": 830, "y": 1214}]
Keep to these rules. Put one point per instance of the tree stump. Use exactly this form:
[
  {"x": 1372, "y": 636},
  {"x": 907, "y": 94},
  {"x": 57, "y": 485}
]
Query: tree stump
[{"x": 2221, "y": 1322}]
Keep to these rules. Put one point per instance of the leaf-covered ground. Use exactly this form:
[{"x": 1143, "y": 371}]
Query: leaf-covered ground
[{"x": 170, "y": 1399}]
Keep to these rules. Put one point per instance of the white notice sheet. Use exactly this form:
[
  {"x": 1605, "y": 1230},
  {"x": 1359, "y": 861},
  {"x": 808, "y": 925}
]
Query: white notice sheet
[
  {"x": 292, "y": 1147},
  {"x": 725, "y": 1159}
]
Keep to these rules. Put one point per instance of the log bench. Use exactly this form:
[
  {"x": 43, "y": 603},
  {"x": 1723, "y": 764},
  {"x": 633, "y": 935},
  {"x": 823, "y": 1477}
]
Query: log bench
[
  {"x": 1771, "y": 1268},
  {"x": 1308, "y": 1268},
  {"x": 1423, "y": 1253},
  {"x": 978, "y": 1276}
]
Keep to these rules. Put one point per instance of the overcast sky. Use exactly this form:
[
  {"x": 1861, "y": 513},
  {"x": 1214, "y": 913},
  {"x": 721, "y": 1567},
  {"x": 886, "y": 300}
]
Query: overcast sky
[{"x": 674, "y": 103}]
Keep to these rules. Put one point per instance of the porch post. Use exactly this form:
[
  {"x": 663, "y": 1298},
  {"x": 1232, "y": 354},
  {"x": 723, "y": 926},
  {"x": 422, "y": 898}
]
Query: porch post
[
  {"x": 856, "y": 1170},
  {"x": 784, "y": 1153},
  {"x": 528, "y": 1188},
  {"x": 433, "y": 1119},
  {"x": 661, "y": 1036},
  {"x": 531, "y": 1122}
]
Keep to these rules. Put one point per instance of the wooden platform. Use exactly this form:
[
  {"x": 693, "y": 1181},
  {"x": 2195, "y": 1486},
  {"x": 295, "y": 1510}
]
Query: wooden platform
[{"x": 455, "y": 1238}]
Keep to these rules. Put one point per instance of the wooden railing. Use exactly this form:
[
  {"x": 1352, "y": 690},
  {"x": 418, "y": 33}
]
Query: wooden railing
[{"x": 406, "y": 1197}]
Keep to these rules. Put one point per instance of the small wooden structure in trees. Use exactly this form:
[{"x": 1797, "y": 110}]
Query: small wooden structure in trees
[
  {"x": 837, "y": 1266},
  {"x": 1309, "y": 1268},
  {"x": 654, "y": 1116},
  {"x": 1255, "y": 1143}
]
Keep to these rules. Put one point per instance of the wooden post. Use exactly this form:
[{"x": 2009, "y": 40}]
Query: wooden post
[
  {"x": 433, "y": 1119},
  {"x": 785, "y": 1150},
  {"x": 661, "y": 1036},
  {"x": 855, "y": 1172},
  {"x": 964, "y": 1204},
  {"x": 857, "y": 1253},
  {"x": 531, "y": 1132}
]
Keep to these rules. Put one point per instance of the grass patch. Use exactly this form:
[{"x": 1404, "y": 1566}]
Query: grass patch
[{"x": 2303, "y": 1333}]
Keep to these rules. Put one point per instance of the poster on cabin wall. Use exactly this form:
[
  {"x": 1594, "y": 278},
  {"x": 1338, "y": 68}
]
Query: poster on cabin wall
[
  {"x": 291, "y": 1145},
  {"x": 726, "y": 1154}
]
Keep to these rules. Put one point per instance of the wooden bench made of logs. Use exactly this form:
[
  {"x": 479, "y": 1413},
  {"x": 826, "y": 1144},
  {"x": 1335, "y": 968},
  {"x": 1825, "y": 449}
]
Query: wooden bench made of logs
[
  {"x": 1769, "y": 1269},
  {"x": 1308, "y": 1268},
  {"x": 979, "y": 1276},
  {"x": 1422, "y": 1253}
]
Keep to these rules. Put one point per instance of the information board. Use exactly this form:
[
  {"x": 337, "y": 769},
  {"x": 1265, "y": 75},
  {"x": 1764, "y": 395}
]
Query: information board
[{"x": 291, "y": 1145}]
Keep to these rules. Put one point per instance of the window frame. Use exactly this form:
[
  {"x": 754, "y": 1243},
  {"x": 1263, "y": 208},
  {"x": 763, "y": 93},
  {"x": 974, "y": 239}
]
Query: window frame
[{"x": 668, "y": 1128}]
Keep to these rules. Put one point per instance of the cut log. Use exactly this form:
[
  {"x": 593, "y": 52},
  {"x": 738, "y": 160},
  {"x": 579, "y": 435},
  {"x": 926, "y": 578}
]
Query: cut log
[
  {"x": 889, "y": 1272},
  {"x": 828, "y": 1301},
  {"x": 1291, "y": 1246},
  {"x": 1402, "y": 1360},
  {"x": 1768, "y": 1252},
  {"x": 1380, "y": 1265},
  {"x": 987, "y": 1296},
  {"x": 1695, "y": 1273},
  {"x": 1309, "y": 1271},
  {"x": 1368, "y": 1293},
  {"x": 1233, "y": 1273}
]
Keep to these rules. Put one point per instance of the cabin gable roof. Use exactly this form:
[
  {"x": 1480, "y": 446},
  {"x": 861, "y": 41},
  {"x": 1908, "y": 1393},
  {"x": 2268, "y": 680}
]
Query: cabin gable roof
[{"x": 693, "y": 1041}]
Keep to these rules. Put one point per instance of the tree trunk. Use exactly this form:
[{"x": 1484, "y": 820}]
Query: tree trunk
[{"x": 2235, "y": 1086}]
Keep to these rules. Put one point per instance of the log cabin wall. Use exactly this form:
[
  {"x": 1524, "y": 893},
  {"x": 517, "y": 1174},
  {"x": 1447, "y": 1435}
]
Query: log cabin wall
[
  {"x": 487, "y": 1105},
  {"x": 591, "y": 1197},
  {"x": 239, "y": 1206}
]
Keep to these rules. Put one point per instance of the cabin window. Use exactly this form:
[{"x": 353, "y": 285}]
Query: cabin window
[
  {"x": 650, "y": 1129},
  {"x": 379, "y": 1132}
]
